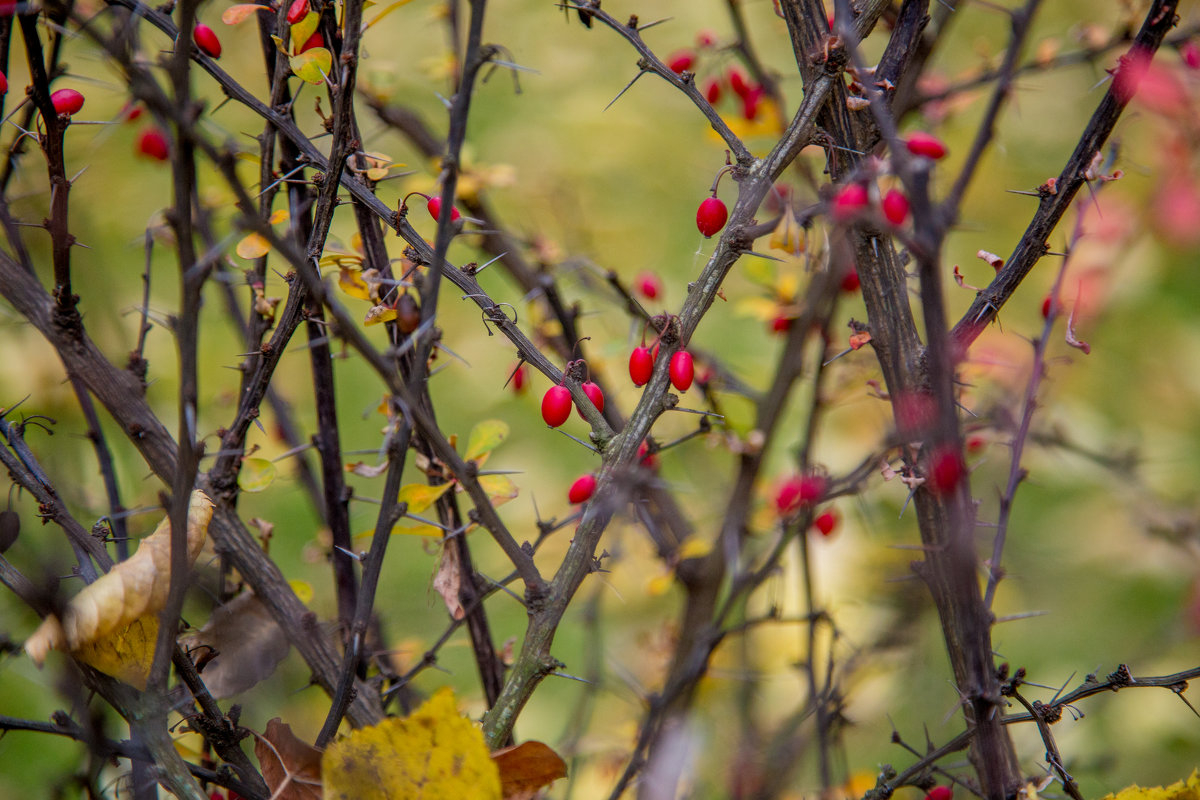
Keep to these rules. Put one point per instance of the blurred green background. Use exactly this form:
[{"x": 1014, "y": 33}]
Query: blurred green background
[{"x": 1108, "y": 552}]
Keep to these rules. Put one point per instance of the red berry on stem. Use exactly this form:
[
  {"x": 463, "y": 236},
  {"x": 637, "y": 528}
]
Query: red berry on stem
[
  {"x": 207, "y": 40},
  {"x": 681, "y": 60},
  {"x": 1047, "y": 304},
  {"x": 641, "y": 366},
  {"x": 594, "y": 394},
  {"x": 556, "y": 405},
  {"x": 782, "y": 323},
  {"x": 826, "y": 523},
  {"x": 851, "y": 199},
  {"x": 925, "y": 144},
  {"x": 153, "y": 144},
  {"x": 798, "y": 492},
  {"x": 519, "y": 379},
  {"x": 317, "y": 40},
  {"x": 895, "y": 207},
  {"x": 711, "y": 216},
  {"x": 581, "y": 490},
  {"x": 946, "y": 469},
  {"x": 682, "y": 370},
  {"x": 712, "y": 90},
  {"x": 66, "y": 101},
  {"x": 648, "y": 285},
  {"x": 739, "y": 83},
  {"x": 940, "y": 793},
  {"x": 297, "y": 11},
  {"x": 751, "y": 101},
  {"x": 850, "y": 281},
  {"x": 435, "y": 209}
]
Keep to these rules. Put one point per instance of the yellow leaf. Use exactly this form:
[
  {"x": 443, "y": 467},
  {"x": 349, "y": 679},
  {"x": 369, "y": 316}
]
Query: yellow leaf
[
  {"x": 658, "y": 586},
  {"x": 304, "y": 29},
  {"x": 254, "y": 245},
  {"x": 280, "y": 215},
  {"x": 760, "y": 308},
  {"x": 387, "y": 10},
  {"x": 788, "y": 287},
  {"x": 312, "y": 65},
  {"x": 761, "y": 272},
  {"x": 256, "y": 475},
  {"x": 303, "y": 590},
  {"x": 351, "y": 283},
  {"x": 136, "y": 587},
  {"x": 421, "y": 496},
  {"x": 126, "y": 653},
  {"x": 485, "y": 437},
  {"x": 433, "y": 753},
  {"x": 694, "y": 548},
  {"x": 500, "y": 488},
  {"x": 788, "y": 234},
  {"x": 235, "y": 14},
  {"x": 378, "y": 314},
  {"x": 412, "y": 529},
  {"x": 1180, "y": 790}
]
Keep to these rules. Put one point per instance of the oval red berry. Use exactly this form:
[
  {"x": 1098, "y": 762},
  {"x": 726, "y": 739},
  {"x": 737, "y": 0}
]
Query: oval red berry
[
  {"x": 681, "y": 60},
  {"x": 641, "y": 366},
  {"x": 682, "y": 370},
  {"x": 66, "y": 101},
  {"x": 3, "y": 83},
  {"x": 648, "y": 285},
  {"x": 153, "y": 144},
  {"x": 940, "y": 793},
  {"x": 895, "y": 207},
  {"x": 581, "y": 490},
  {"x": 435, "y": 209},
  {"x": 850, "y": 200},
  {"x": 925, "y": 144},
  {"x": 850, "y": 281},
  {"x": 712, "y": 90},
  {"x": 556, "y": 405},
  {"x": 595, "y": 395},
  {"x": 297, "y": 11},
  {"x": 711, "y": 216},
  {"x": 826, "y": 523},
  {"x": 317, "y": 40},
  {"x": 206, "y": 39}
]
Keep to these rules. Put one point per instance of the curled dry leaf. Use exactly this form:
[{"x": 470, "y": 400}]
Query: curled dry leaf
[
  {"x": 291, "y": 768},
  {"x": 132, "y": 589},
  {"x": 245, "y": 644},
  {"x": 448, "y": 580},
  {"x": 527, "y": 767}
]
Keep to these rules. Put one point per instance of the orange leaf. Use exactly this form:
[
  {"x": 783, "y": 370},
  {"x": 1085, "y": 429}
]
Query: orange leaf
[
  {"x": 291, "y": 768},
  {"x": 235, "y": 14},
  {"x": 527, "y": 767}
]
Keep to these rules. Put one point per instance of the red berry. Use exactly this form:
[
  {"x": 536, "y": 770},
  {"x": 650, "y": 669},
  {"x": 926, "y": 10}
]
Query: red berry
[
  {"x": 712, "y": 90},
  {"x": 850, "y": 281},
  {"x": 826, "y": 523},
  {"x": 711, "y": 216},
  {"x": 1191, "y": 55},
  {"x": 153, "y": 144},
  {"x": 751, "y": 101},
  {"x": 520, "y": 379},
  {"x": 682, "y": 370},
  {"x": 641, "y": 366},
  {"x": 798, "y": 492},
  {"x": 925, "y": 144},
  {"x": 3, "y": 83},
  {"x": 940, "y": 793},
  {"x": 216, "y": 796},
  {"x": 435, "y": 208},
  {"x": 946, "y": 469},
  {"x": 1046, "y": 306},
  {"x": 581, "y": 490},
  {"x": 850, "y": 199},
  {"x": 681, "y": 60},
  {"x": 556, "y": 405},
  {"x": 595, "y": 395},
  {"x": 297, "y": 11},
  {"x": 317, "y": 40},
  {"x": 131, "y": 111},
  {"x": 649, "y": 285},
  {"x": 706, "y": 38},
  {"x": 66, "y": 101},
  {"x": 739, "y": 83},
  {"x": 895, "y": 207},
  {"x": 646, "y": 458},
  {"x": 782, "y": 323},
  {"x": 975, "y": 443},
  {"x": 207, "y": 40}
]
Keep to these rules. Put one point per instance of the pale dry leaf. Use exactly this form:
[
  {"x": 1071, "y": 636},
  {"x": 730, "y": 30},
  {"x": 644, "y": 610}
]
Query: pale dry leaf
[
  {"x": 247, "y": 643},
  {"x": 448, "y": 580},
  {"x": 133, "y": 588},
  {"x": 291, "y": 768}
]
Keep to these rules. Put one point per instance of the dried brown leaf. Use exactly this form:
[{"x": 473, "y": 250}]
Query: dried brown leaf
[
  {"x": 246, "y": 642},
  {"x": 291, "y": 768},
  {"x": 527, "y": 767}
]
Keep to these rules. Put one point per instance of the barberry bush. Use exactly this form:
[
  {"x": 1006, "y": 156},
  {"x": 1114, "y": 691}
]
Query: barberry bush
[{"x": 598, "y": 399}]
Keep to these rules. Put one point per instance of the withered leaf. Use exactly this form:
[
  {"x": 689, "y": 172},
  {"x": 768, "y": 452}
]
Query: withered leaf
[
  {"x": 291, "y": 768},
  {"x": 247, "y": 643},
  {"x": 527, "y": 767}
]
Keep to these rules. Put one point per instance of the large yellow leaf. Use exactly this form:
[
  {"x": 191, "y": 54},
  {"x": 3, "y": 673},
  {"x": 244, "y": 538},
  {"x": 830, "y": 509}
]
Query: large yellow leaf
[
  {"x": 1179, "y": 790},
  {"x": 421, "y": 496},
  {"x": 500, "y": 488},
  {"x": 485, "y": 437},
  {"x": 126, "y": 653},
  {"x": 109, "y": 607},
  {"x": 433, "y": 754}
]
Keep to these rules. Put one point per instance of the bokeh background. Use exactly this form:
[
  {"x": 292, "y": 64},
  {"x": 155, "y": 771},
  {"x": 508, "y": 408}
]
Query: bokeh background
[{"x": 1104, "y": 537}]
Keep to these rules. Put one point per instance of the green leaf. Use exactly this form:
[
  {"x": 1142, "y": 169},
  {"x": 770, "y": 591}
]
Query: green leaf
[
  {"x": 485, "y": 437},
  {"x": 256, "y": 475}
]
